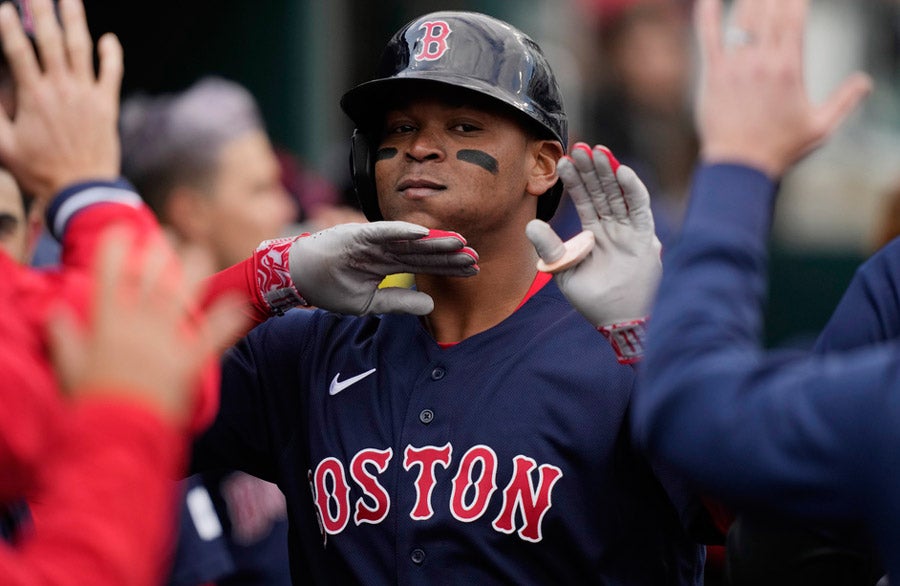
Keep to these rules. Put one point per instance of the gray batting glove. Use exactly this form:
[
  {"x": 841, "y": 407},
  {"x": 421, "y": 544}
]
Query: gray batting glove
[
  {"x": 340, "y": 268},
  {"x": 610, "y": 272}
]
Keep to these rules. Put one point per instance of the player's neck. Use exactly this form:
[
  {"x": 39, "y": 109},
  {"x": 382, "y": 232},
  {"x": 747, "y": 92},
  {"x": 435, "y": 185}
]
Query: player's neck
[{"x": 467, "y": 306}]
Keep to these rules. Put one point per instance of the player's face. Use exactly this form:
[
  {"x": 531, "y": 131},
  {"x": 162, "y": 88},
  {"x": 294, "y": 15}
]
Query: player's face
[
  {"x": 13, "y": 226},
  {"x": 450, "y": 165},
  {"x": 248, "y": 203}
]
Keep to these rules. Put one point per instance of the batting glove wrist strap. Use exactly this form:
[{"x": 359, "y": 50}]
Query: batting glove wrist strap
[
  {"x": 273, "y": 275},
  {"x": 627, "y": 339}
]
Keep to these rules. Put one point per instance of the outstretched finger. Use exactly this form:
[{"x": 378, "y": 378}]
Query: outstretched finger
[
  {"x": 67, "y": 346},
  {"x": 595, "y": 184},
  {"x": 637, "y": 197},
  {"x": 79, "y": 47},
  {"x": 114, "y": 279},
  {"x": 401, "y": 300},
  {"x": 109, "y": 51},
  {"x": 18, "y": 49},
  {"x": 222, "y": 325},
  {"x": 574, "y": 184},
  {"x": 387, "y": 231},
  {"x": 606, "y": 165},
  {"x": 48, "y": 37},
  {"x": 708, "y": 23},
  {"x": 842, "y": 103}
]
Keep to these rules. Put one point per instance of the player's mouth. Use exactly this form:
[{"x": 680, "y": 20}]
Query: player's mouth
[{"x": 415, "y": 188}]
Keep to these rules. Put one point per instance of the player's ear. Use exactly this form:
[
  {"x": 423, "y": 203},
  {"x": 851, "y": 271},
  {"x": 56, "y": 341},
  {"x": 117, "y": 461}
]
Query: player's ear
[
  {"x": 542, "y": 166},
  {"x": 187, "y": 212}
]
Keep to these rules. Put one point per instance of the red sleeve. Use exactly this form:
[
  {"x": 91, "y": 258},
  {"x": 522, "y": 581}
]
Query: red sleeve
[
  {"x": 79, "y": 242},
  {"x": 30, "y": 415},
  {"x": 239, "y": 280},
  {"x": 106, "y": 510},
  {"x": 263, "y": 281}
]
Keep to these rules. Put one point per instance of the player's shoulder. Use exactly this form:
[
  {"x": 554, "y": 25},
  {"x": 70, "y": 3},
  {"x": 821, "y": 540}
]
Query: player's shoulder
[{"x": 304, "y": 327}]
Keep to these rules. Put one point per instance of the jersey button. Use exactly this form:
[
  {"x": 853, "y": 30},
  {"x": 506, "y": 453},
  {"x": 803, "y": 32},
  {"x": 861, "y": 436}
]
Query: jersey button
[
  {"x": 426, "y": 416},
  {"x": 417, "y": 556},
  {"x": 438, "y": 373}
]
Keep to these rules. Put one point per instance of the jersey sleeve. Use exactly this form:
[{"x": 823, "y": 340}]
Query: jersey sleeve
[
  {"x": 30, "y": 417},
  {"x": 869, "y": 311},
  {"x": 106, "y": 503},
  {"x": 742, "y": 423},
  {"x": 80, "y": 213},
  {"x": 260, "y": 401},
  {"x": 263, "y": 281}
]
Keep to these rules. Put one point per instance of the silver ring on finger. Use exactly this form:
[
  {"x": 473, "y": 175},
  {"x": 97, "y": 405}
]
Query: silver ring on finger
[{"x": 736, "y": 37}]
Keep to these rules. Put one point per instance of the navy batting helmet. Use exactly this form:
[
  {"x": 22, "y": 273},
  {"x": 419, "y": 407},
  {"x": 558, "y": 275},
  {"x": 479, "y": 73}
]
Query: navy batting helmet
[{"x": 465, "y": 50}]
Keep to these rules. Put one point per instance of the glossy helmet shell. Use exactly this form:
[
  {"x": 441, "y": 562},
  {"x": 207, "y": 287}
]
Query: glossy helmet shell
[{"x": 464, "y": 50}]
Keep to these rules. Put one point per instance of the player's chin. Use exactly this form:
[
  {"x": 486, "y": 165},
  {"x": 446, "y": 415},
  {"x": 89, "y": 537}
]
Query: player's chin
[{"x": 413, "y": 214}]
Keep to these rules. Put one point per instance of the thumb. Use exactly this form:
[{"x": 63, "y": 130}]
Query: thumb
[
  {"x": 401, "y": 300},
  {"x": 224, "y": 323},
  {"x": 67, "y": 347},
  {"x": 546, "y": 242},
  {"x": 842, "y": 102}
]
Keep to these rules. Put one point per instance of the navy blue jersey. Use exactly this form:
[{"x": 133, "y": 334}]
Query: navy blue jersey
[
  {"x": 503, "y": 459},
  {"x": 869, "y": 311},
  {"x": 811, "y": 435},
  {"x": 201, "y": 555}
]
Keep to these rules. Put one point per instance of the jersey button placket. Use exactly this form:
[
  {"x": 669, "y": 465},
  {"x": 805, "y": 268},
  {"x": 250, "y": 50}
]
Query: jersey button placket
[
  {"x": 426, "y": 416},
  {"x": 437, "y": 373}
]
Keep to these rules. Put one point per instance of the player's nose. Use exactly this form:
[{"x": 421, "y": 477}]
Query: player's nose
[{"x": 426, "y": 145}]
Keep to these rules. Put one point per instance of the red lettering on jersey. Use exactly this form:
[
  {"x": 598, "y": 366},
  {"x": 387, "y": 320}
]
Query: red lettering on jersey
[
  {"x": 426, "y": 458},
  {"x": 521, "y": 495},
  {"x": 484, "y": 486},
  {"x": 370, "y": 485},
  {"x": 312, "y": 491},
  {"x": 434, "y": 43},
  {"x": 339, "y": 495}
]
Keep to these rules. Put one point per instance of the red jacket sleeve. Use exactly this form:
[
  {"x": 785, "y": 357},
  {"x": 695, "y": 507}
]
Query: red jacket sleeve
[
  {"x": 263, "y": 281},
  {"x": 105, "y": 511},
  {"x": 31, "y": 414}
]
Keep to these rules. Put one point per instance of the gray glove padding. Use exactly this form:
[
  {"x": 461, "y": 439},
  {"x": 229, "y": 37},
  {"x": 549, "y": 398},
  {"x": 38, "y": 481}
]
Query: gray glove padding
[
  {"x": 617, "y": 280},
  {"x": 340, "y": 268}
]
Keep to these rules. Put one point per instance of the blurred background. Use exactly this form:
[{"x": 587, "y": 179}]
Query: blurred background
[{"x": 627, "y": 70}]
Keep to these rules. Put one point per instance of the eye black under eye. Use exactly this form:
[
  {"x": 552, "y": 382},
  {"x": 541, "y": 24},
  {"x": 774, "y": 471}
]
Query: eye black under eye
[{"x": 8, "y": 224}]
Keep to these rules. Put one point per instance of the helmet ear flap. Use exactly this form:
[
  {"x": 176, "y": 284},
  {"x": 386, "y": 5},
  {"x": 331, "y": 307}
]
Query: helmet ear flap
[{"x": 362, "y": 170}]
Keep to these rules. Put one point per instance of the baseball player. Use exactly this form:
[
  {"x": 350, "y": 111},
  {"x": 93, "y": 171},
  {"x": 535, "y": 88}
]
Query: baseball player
[{"x": 472, "y": 429}]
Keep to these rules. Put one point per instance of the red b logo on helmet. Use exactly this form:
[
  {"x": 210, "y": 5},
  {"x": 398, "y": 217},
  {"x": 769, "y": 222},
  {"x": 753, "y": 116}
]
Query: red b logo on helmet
[{"x": 434, "y": 43}]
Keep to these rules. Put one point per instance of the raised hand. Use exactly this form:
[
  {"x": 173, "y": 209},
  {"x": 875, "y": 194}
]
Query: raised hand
[
  {"x": 144, "y": 342},
  {"x": 614, "y": 265},
  {"x": 753, "y": 107},
  {"x": 65, "y": 126}
]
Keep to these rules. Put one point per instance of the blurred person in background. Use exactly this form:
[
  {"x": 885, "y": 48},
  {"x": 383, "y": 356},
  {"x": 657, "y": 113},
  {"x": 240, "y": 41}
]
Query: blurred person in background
[
  {"x": 13, "y": 218},
  {"x": 203, "y": 161},
  {"x": 95, "y": 417},
  {"x": 641, "y": 105},
  {"x": 321, "y": 202}
]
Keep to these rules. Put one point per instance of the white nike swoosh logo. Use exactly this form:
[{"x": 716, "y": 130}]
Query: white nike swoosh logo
[{"x": 339, "y": 385}]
